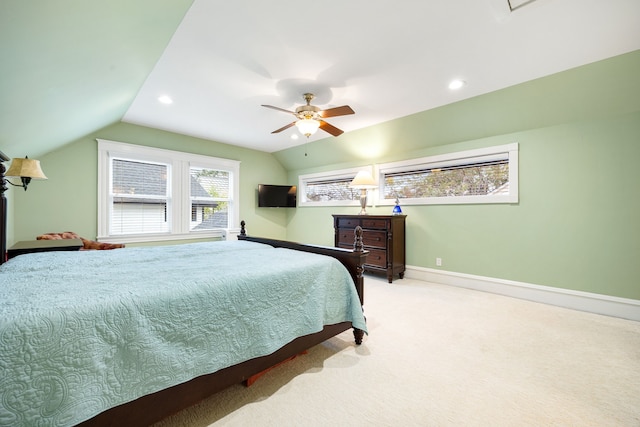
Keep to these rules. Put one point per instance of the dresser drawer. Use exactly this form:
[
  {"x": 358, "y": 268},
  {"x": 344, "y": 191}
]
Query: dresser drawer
[
  {"x": 377, "y": 257},
  {"x": 379, "y": 224},
  {"x": 348, "y": 223},
  {"x": 376, "y": 239},
  {"x": 346, "y": 237}
]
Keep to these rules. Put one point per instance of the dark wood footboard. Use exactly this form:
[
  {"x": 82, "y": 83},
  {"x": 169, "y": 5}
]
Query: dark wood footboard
[
  {"x": 353, "y": 260},
  {"x": 153, "y": 407}
]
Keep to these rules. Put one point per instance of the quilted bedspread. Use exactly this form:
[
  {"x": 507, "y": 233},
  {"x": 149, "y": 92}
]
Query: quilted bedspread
[{"x": 81, "y": 332}]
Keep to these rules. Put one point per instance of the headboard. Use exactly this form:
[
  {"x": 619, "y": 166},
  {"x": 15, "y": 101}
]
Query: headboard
[{"x": 3, "y": 210}]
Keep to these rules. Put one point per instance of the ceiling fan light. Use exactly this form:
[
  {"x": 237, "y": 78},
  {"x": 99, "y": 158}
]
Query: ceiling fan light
[{"x": 307, "y": 127}]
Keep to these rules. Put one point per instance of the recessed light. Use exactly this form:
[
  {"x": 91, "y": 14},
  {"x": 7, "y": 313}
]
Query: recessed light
[
  {"x": 456, "y": 84},
  {"x": 294, "y": 136},
  {"x": 165, "y": 99}
]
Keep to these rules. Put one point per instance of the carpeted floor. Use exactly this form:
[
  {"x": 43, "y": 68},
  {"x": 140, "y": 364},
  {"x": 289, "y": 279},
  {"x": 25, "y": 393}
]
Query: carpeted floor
[{"x": 446, "y": 356}]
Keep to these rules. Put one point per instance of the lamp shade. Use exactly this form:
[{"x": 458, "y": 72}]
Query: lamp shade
[
  {"x": 25, "y": 168},
  {"x": 364, "y": 180},
  {"x": 307, "y": 127}
]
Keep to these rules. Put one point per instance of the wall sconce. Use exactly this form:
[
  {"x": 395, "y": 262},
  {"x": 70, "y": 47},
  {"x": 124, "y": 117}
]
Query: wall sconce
[
  {"x": 27, "y": 169},
  {"x": 363, "y": 181}
]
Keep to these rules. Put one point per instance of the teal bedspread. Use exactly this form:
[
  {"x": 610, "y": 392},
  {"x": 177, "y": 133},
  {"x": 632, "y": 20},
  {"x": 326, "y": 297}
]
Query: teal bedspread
[{"x": 81, "y": 332}]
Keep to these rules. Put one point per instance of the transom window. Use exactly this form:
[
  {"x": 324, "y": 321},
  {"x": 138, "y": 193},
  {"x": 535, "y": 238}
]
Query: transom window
[
  {"x": 475, "y": 179},
  {"x": 324, "y": 191},
  {"x": 150, "y": 194},
  {"x": 328, "y": 188},
  {"x": 488, "y": 175},
  {"x": 485, "y": 175}
]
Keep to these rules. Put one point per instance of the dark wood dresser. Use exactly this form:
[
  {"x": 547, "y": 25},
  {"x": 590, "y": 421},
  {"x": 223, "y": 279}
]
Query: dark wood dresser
[{"x": 383, "y": 236}]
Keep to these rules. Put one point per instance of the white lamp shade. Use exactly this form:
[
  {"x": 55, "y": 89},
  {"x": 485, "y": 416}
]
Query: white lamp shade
[
  {"x": 25, "y": 168},
  {"x": 364, "y": 180},
  {"x": 307, "y": 127}
]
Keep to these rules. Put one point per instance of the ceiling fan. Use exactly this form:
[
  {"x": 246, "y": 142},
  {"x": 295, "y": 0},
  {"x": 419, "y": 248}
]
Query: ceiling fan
[{"x": 309, "y": 117}]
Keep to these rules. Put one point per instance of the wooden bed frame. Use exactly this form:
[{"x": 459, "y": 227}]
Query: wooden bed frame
[
  {"x": 154, "y": 407},
  {"x": 3, "y": 209}
]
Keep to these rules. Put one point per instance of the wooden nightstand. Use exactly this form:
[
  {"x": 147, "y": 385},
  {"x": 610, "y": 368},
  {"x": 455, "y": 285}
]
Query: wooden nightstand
[{"x": 31, "y": 246}]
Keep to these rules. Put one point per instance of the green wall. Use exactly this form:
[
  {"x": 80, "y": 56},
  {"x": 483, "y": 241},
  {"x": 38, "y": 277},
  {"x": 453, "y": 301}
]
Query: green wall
[
  {"x": 577, "y": 223},
  {"x": 575, "y": 226},
  {"x": 68, "y": 199}
]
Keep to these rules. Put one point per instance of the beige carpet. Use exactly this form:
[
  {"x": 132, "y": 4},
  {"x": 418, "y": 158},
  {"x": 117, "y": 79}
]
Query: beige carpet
[{"x": 445, "y": 356}]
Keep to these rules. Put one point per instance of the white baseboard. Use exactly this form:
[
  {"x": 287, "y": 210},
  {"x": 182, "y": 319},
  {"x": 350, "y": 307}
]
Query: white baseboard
[{"x": 584, "y": 301}]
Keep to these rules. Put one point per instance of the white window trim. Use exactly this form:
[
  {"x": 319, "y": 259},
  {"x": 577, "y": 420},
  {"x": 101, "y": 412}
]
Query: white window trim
[
  {"x": 507, "y": 151},
  {"x": 181, "y": 163},
  {"x": 321, "y": 176}
]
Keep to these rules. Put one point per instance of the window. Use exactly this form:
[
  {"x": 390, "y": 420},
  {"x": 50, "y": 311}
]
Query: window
[
  {"x": 328, "y": 189},
  {"x": 150, "y": 194},
  {"x": 140, "y": 196},
  {"x": 488, "y": 175},
  {"x": 210, "y": 199}
]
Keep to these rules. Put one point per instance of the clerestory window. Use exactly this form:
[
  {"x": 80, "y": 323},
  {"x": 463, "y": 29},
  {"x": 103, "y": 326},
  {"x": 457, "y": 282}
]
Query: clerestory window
[
  {"x": 328, "y": 188},
  {"x": 488, "y": 175}
]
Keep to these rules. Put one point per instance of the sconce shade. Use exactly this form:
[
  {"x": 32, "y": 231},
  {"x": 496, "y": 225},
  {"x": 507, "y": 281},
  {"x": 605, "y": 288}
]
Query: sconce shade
[
  {"x": 363, "y": 180},
  {"x": 307, "y": 127},
  {"x": 25, "y": 168}
]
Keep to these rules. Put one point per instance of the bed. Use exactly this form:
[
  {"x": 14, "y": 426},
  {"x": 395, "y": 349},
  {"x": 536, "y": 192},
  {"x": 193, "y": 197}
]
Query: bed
[{"x": 130, "y": 336}]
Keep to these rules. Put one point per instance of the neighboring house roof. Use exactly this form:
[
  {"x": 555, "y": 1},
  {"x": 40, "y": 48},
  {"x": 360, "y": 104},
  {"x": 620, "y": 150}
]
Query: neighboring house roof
[
  {"x": 130, "y": 177},
  {"x": 198, "y": 190},
  {"x": 217, "y": 220}
]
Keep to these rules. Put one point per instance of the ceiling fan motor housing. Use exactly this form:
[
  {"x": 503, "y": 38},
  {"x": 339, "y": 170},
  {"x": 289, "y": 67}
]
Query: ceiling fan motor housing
[{"x": 307, "y": 112}]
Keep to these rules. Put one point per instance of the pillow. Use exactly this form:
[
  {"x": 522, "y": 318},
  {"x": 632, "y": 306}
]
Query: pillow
[
  {"x": 91, "y": 244},
  {"x": 58, "y": 236},
  {"x": 87, "y": 244}
]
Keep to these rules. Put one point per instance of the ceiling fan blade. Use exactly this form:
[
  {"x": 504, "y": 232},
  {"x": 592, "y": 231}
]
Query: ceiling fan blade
[
  {"x": 279, "y": 109},
  {"x": 284, "y": 127},
  {"x": 336, "y": 111},
  {"x": 330, "y": 128}
]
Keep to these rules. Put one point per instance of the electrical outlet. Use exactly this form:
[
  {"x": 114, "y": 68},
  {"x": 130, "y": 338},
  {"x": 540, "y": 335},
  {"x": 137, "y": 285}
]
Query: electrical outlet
[{"x": 439, "y": 262}]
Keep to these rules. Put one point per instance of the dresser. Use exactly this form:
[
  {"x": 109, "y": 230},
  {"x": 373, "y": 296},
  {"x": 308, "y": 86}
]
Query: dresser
[{"x": 382, "y": 235}]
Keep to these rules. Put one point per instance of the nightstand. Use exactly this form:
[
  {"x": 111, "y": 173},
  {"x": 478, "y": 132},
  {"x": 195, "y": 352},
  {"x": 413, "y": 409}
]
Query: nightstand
[{"x": 31, "y": 246}]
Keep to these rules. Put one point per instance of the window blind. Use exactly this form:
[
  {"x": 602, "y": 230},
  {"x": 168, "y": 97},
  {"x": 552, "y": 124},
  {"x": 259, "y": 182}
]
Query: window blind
[{"x": 140, "y": 197}]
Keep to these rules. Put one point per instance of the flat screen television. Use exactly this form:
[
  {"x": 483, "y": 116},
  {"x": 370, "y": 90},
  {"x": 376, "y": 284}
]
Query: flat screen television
[{"x": 276, "y": 196}]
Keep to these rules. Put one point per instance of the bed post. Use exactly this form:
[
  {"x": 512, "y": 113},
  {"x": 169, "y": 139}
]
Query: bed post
[
  {"x": 358, "y": 246},
  {"x": 3, "y": 210}
]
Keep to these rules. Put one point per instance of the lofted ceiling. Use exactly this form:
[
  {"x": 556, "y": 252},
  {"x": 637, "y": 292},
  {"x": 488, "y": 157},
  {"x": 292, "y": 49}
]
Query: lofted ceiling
[{"x": 69, "y": 68}]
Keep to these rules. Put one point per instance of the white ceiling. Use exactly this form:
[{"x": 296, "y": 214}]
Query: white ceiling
[
  {"x": 70, "y": 68},
  {"x": 386, "y": 59}
]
